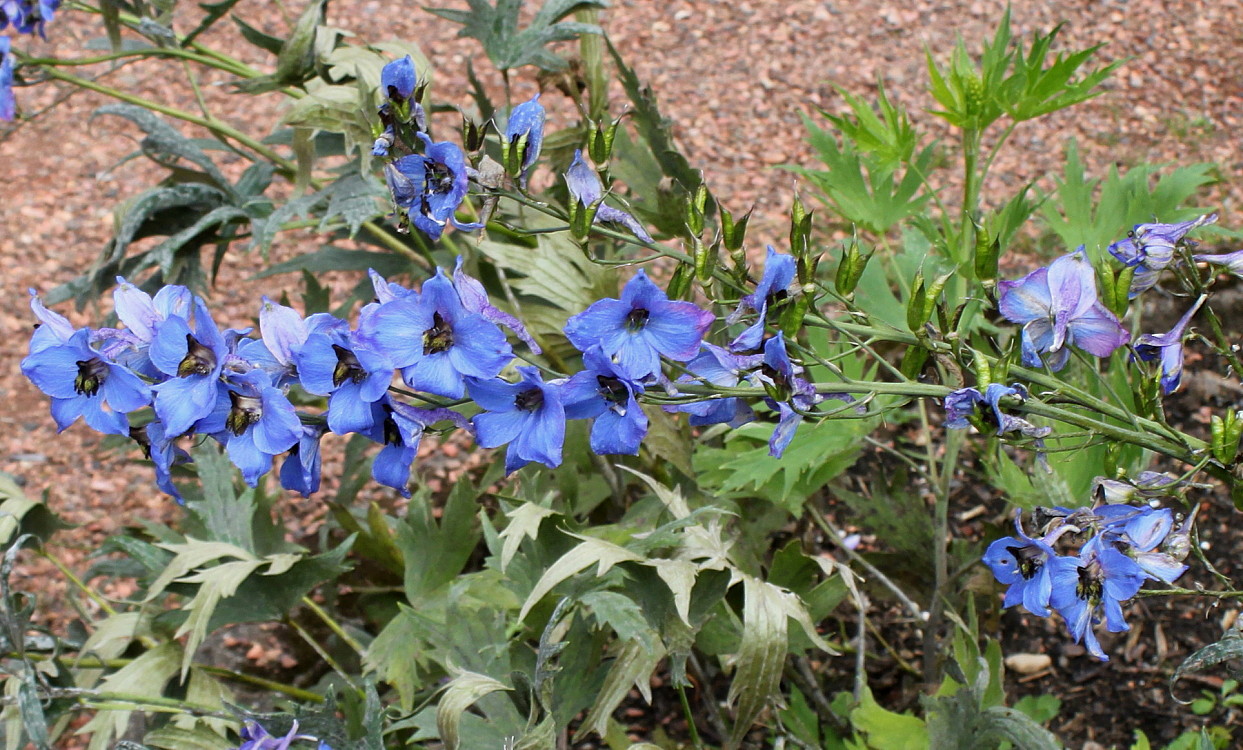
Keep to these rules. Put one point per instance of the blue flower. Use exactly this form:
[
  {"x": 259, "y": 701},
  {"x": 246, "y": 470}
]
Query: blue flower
[
  {"x": 1023, "y": 564},
  {"x": 527, "y": 415},
  {"x": 604, "y": 392},
  {"x": 637, "y": 329},
  {"x": 192, "y": 353},
  {"x": 1058, "y": 307},
  {"x": 525, "y": 130},
  {"x": 475, "y": 299},
  {"x": 254, "y": 421},
  {"x": 585, "y": 188},
  {"x": 351, "y": 375},
  {"x": 399, "y": 428},
  {"x": 1232, "y": 261},
  {"x": 300, "y": 471},
  {"x": 1138, "y": 531},
  {"x": 455, "y": 342},
  {"x": 255, "y": 737},
  {"x": 27, "y": 16},
  {"x": 164, "y": 454},
  {"x": 1149, "y": 248},
  {"x": 142, "y": 316},
  {"x": 789, "y": 393},
  {"x": 718, "y": 366},
  {"x": 284, "y": 332},
  {"x": 1097, "y": 580},
  {"x": 83, "y": 383},
  {"x": 430, "y": 187},
  {"x": 8, "y": 103},
  {"x": 1169, "y": 347},
  {"x": 398, "y": 79},
  {"x": 772, "y": 288},
  {"x": 52, "y": 329}
]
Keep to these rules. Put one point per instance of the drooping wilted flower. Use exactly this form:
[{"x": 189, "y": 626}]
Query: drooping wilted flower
[
  {"x": 641, "y": 326},
  {"x": 772, "y": 288},
  {"x": 1058, "y": 308},
  {"x": 1233, "y": 262},
  {"x": 525, "y": 131},
  {"x": 1169, "y": 347},
  {"x": 719, "y": 366},
  {"x": 586, "y": 190},
  {"x": 1149, "y": 249}
]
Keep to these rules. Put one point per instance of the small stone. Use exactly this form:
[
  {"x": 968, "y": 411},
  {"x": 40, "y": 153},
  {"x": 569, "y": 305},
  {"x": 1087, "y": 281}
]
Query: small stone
[{"x": 1028, "y": 663}]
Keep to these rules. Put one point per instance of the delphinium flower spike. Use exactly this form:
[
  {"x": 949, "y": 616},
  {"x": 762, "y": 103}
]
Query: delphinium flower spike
[{"x": 1149, "y": 249}]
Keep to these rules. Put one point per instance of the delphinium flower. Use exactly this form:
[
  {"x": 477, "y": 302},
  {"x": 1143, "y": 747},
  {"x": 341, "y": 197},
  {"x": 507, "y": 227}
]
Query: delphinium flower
[
  {"x": 435, "y": 340},
  {"x": 84, "y": 383},
  {"x": 1233, "y": 262},
  {"x": 586, "y": 190},
  {"x": 1139, "y": 530},
  {"x": 399, "y": 83},
  {"x": 192, "y": 353},
  {"x": 255, "y": 737},
  {"x": 353, "y": 377},
  {"x": 142, "y": 315},
  {"x": 1169, "y": 348},
  {"x": 1149, "y": 249},
  {"x": 718, "y": 366},
  {"x": 772, "y": 288},
  {"x": 641, "y": 326},
  {"x": 300, "y": 471},
  {"x": 1096, "y": 580},
  {"x": 27, "y": 16},
  {"x": 528, "y": 416},
  {"x": 961, "y": 405},
  {"x": 790, "y": 394},
  {"x": 604, "y": 392},
  {"x": 254, "y": 421},
  {"x": 283, "y": 333},
  {"x": 8, "y": 103},
  {"x": 429, "y": 187},
  {"x": 1058, "y": 308},
  {"x": 164, "y": 453},
  {"x": 475, "y": 299},
  {"x": 399, "y": 428},
  {"x": 1022, "y": 563},
  {"x": 525, "y": 131}
]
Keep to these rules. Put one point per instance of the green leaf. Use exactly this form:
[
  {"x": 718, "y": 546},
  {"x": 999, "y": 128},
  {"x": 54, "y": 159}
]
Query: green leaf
[
  {"x": 263, "y": 41},
  {"x": 296, "y": 61},
  {"x": 632, "y": 667},
  {"x": 398, "y": 655},
  {"x": 144, "y": 677},
  {"x": 507, "y": 46},
  {"x": 463, "y": 690},
  {"x": 216, "y": 583},
  {"x": 436, "y": 553},
  {"x": 524, "y": 523},
  {"x": 165, "y": 145},
  {"x": 353, "y": 198},
  {"x": 1229, "y": 647},
  {"x": 226, "y": 514},
  {"x": 604, "y": 555},
  {"x": 176, "y": 738},
  {"x": 885, "y": 729},
  {"x": 19, "y": 515},
  {"x": 34, "y": 721}
]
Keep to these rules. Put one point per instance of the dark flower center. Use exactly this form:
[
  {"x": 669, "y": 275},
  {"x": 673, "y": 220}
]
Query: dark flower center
[
  {"x": 613, "y": 390},
  {"x": 347, "y": 367},
  {"x": 91, "y": 374},
  {"x": 439, "y": 178},
  {"x": 1089, "y": 587},
  {"x": 530, "y": 399},
  {"x": 778, "y": 378},
  {"x": 199, "y": 359},
  {"x": 636, "y": 319},
  {"x": 392, "y": 434},
  {"x": 439, "y": 337},
  {"x": 244, "y": 412},
  {"x": 139, "y": 435},
  {"x": 1029, "y": 559}
]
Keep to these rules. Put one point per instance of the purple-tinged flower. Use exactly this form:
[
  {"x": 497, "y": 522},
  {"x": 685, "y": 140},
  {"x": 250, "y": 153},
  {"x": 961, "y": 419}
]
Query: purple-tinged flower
[
  {"x": 604, "y": 392},
  {"x": 399, "y": 428},
  {"x": 772, "y": 288},
  {"x": 254, "y": 421},
  {"x": 1146, "y": 484},
  {"x": 475, "y": 299},
  {"x": 1023, "y": 564},
  {"x": 789, "y": 393},
  {"x": 641, "y": 326},
  {"x": 1058, "y": 308},
  {"x": 398, "y": 79},
  {"x": 528, "y": 416},
  {"x": 525, "y": 131},
  {"x": 718, "y": 366},
  {"x": 192, "y": 353},
  {"x": 164, "y": 454},
  {"x": 142, "y": 315},
  {"x": 1097, "y": 580},
  {"x": 1169, "y": 347},
  {"x": 1233, "y": 262},
  {"x": 255, "y": 737},
  {"x": 83, "y": 383},
  {"x": 455, "y": 342},
  {"x": 52, "y": 329},
  {"x": 27, "y": 16},
  {"x": 300, "y": 471},
  {"x": 284, "y": 332},
  {"x": 1138, "y": 531},
  {"x": 962, "y": 403},
  {"x": 351, "y": 375},
  {"x": 1149, "y": 249},
  {"x": 8, "y": 103},
  {"x": 585, "y": 188},
  {"x": 431, "y": 186}
]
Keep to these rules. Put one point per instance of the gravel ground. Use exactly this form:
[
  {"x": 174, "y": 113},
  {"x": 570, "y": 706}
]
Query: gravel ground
[{"x": 734, "y": 76}]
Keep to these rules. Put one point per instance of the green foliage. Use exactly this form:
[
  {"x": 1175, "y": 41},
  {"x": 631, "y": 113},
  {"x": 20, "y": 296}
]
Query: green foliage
[{"x": 507, "y": 46}]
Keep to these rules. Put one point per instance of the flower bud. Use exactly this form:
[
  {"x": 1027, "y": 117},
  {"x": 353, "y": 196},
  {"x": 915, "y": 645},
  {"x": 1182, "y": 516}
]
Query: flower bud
[
  {"x": 850, "y": 269},
  {"x": 473, "y": 134},
  {"x": 800, "y": 229},
  {"x": 793, "y": 314},
  {"x": 695, "y": 208},
  {"x": 1226, "y": 432},
  {"x": 987, "y": 253},
  {"x": 733, "y": 233},
  {"x": 600, "y": 141},
  {"x": 680, "y": 285}
]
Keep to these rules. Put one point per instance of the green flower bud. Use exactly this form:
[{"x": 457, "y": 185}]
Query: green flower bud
[
  {"x": 733, "y": 233},
  {"x": 600, "y": 141},
  {"x": 850, "y": 269}
]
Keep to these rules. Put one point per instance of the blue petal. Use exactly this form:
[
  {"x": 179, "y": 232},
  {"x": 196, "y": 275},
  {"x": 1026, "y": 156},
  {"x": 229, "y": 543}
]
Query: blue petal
[
  {"x": 169, "y": 346},
  {"x": 252, "y": 461},
  {"x": 391, "y": 467},
  {"x": 181, "y": 402},
  {"x": 347, "y": 412},
  {"x": 494, "y": 429}
]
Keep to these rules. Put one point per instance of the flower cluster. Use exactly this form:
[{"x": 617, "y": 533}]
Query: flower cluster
[
  {"x": 26, "y": 17},
  {"x": 1126, "y": 545},
  {"x": 170, "y": 371},
  {"x": 255, "y": 737}
]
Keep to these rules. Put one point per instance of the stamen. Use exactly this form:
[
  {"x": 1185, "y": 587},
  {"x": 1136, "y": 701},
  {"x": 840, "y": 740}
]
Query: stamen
[
  {"x": 245, "y": 411},
  {"x": 530, "y": 399},
  {"x": 91, "y": 375},
  {"x": 348, "y": 367},
  {"x": 199, "y": 359},
  {"x": 439, "y": 337},
  {"x": 636, "y": 319}
]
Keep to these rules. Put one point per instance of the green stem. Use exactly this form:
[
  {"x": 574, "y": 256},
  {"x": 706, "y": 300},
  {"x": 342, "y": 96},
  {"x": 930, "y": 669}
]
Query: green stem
[
  {"x": 696, "y": 741},
  {"x": 333, "y": 625},
  {"x": 323, "y": 654}
]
